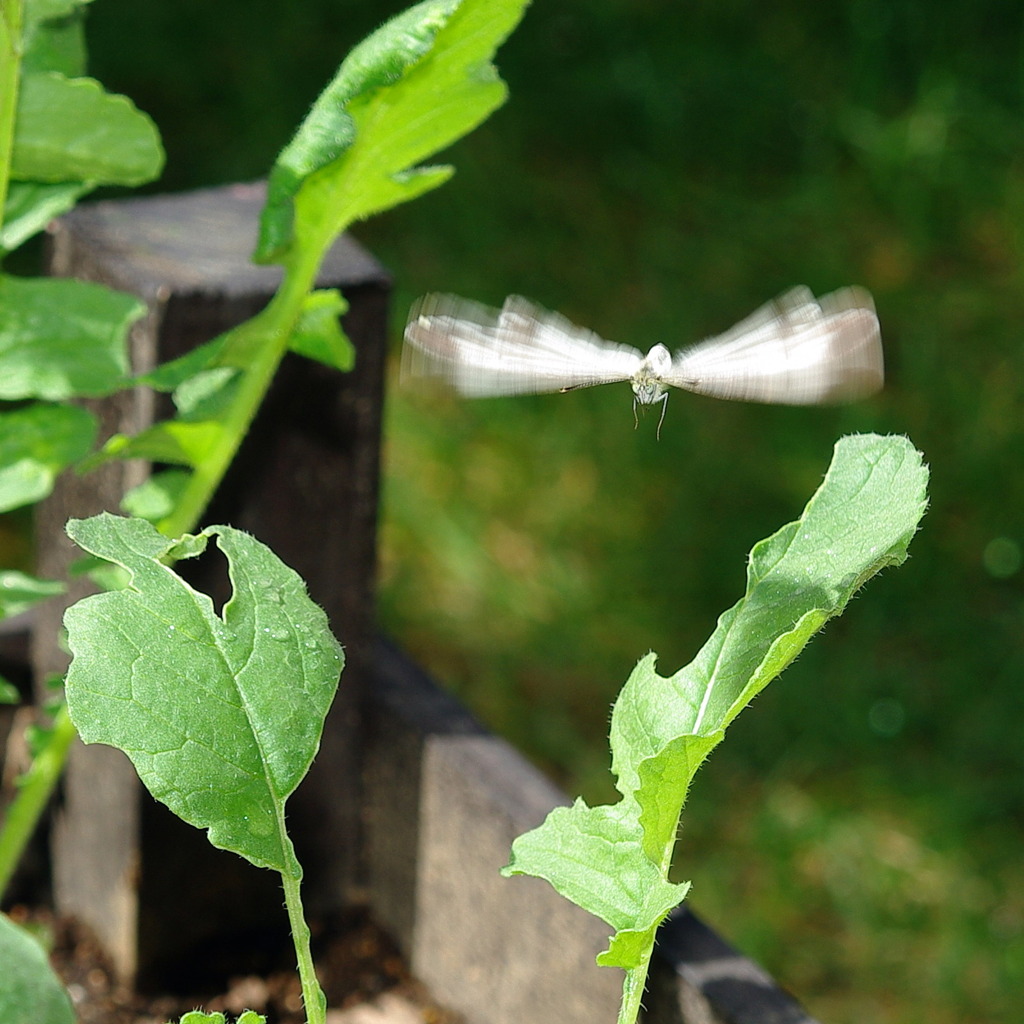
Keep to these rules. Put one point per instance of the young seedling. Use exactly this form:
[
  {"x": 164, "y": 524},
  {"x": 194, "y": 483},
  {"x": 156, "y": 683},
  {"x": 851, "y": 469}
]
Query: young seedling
[
  {"x": 198, "y": 1017},
  {"x": 613, "y": 860},
  {"x": 221, "y": 714}
]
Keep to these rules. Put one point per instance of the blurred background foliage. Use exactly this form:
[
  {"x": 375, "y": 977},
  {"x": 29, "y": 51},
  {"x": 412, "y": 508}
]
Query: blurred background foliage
[{"x": 661, "y": 169}]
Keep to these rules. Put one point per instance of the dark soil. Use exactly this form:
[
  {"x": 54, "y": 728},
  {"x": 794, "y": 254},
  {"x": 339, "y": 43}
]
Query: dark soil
[{"x": 356, "y": 961}]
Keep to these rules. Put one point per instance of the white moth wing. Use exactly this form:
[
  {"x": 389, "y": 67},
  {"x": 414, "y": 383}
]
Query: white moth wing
[
  {"x": 519, "y": 349},
  {"x": 797, "y": 305},
  {"x": 793, "y": 351}
]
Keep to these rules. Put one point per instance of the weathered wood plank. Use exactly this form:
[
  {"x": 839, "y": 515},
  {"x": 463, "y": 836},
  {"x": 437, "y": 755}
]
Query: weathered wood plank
[
  {"x": 698, "y": 978},
  {"x": 445, "y": 799}
]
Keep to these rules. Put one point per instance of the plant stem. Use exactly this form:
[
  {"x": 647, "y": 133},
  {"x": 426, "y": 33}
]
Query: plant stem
[
  {"x": 312, "y": 995},
  {"x": 10, "y": 71},
  {"x": 271, "y": 329},
  {"x": 34, "y": 790},
  {"x": 256, "y": 379},
  {"x": 633, "y": 991}
]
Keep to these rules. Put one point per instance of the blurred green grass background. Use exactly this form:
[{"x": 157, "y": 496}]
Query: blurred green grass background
[{"x": 660, "y": 170}]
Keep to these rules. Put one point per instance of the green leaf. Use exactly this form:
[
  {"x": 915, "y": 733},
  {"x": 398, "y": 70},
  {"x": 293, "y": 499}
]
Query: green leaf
[
  {"x": 36, "y": 443},
  {"x": 328, "y": 130},
  {"x": 69, "y": 129},
  {"x": 609, "y": 875},
  {"x": 221, "y": 714},
  {"x": 30, "y": 992},
  {"x": 207, "y": 394},
  {"x": 44, "y": 10},
  {"x": 156, "y": 497},
  {"x": 198, "y": 1017},
  {"x": 103, "y": 575},
  {"x": 235, "y": 349},
  {"x": 421, "y": 81},
  {"x": 170, "y": 376},
  {"x": 318, "y": 334},
  {"x": 31, "y": 206},
  {"x": 54, "y": 39},
  {"x": 61, "y": 338},
  {"x": 861, "y": 520},
  {"x": 19, "y": 592},
  {"x": 175, "y": 441}
]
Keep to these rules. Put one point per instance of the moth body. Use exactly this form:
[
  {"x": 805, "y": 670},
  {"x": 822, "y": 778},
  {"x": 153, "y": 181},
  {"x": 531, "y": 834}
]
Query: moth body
[{"x": 649, "y": 380}]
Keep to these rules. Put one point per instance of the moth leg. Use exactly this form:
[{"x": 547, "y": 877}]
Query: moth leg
[{"x": 664, "y": 409}]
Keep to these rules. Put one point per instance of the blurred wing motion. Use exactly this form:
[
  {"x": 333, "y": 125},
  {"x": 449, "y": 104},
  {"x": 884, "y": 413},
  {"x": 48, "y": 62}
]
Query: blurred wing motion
[
  {"x": 796, "y": 350},
  {"x": 517, "y": 350}
]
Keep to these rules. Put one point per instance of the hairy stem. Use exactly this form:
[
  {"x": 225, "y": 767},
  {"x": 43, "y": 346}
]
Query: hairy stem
[
  {"x": 633, "y": 992},
  {"x": 312, "y": 995}
]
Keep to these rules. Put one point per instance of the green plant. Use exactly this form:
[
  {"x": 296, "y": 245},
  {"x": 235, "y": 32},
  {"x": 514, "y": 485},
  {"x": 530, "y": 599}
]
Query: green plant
[
  {"x": 197, "y": 1017},
  {"x": 221, "y": 715},
  {"x": 61, "y": 136},
  {"x": 31, "y": 993},
  {"x": 613, "y": 860},
  {"x": 410, "y": 89}
]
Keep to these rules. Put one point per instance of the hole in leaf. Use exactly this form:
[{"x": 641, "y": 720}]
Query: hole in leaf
[{"x": 208, "y": 572}]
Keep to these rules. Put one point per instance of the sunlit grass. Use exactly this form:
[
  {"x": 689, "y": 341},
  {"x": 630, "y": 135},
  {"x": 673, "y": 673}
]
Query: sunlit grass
[{"x": 877, "y": 910}]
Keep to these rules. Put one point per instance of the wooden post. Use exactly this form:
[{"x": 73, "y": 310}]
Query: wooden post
[
  {"x": 305, "y": 482},
  {"x": 444, "y": 800}
]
